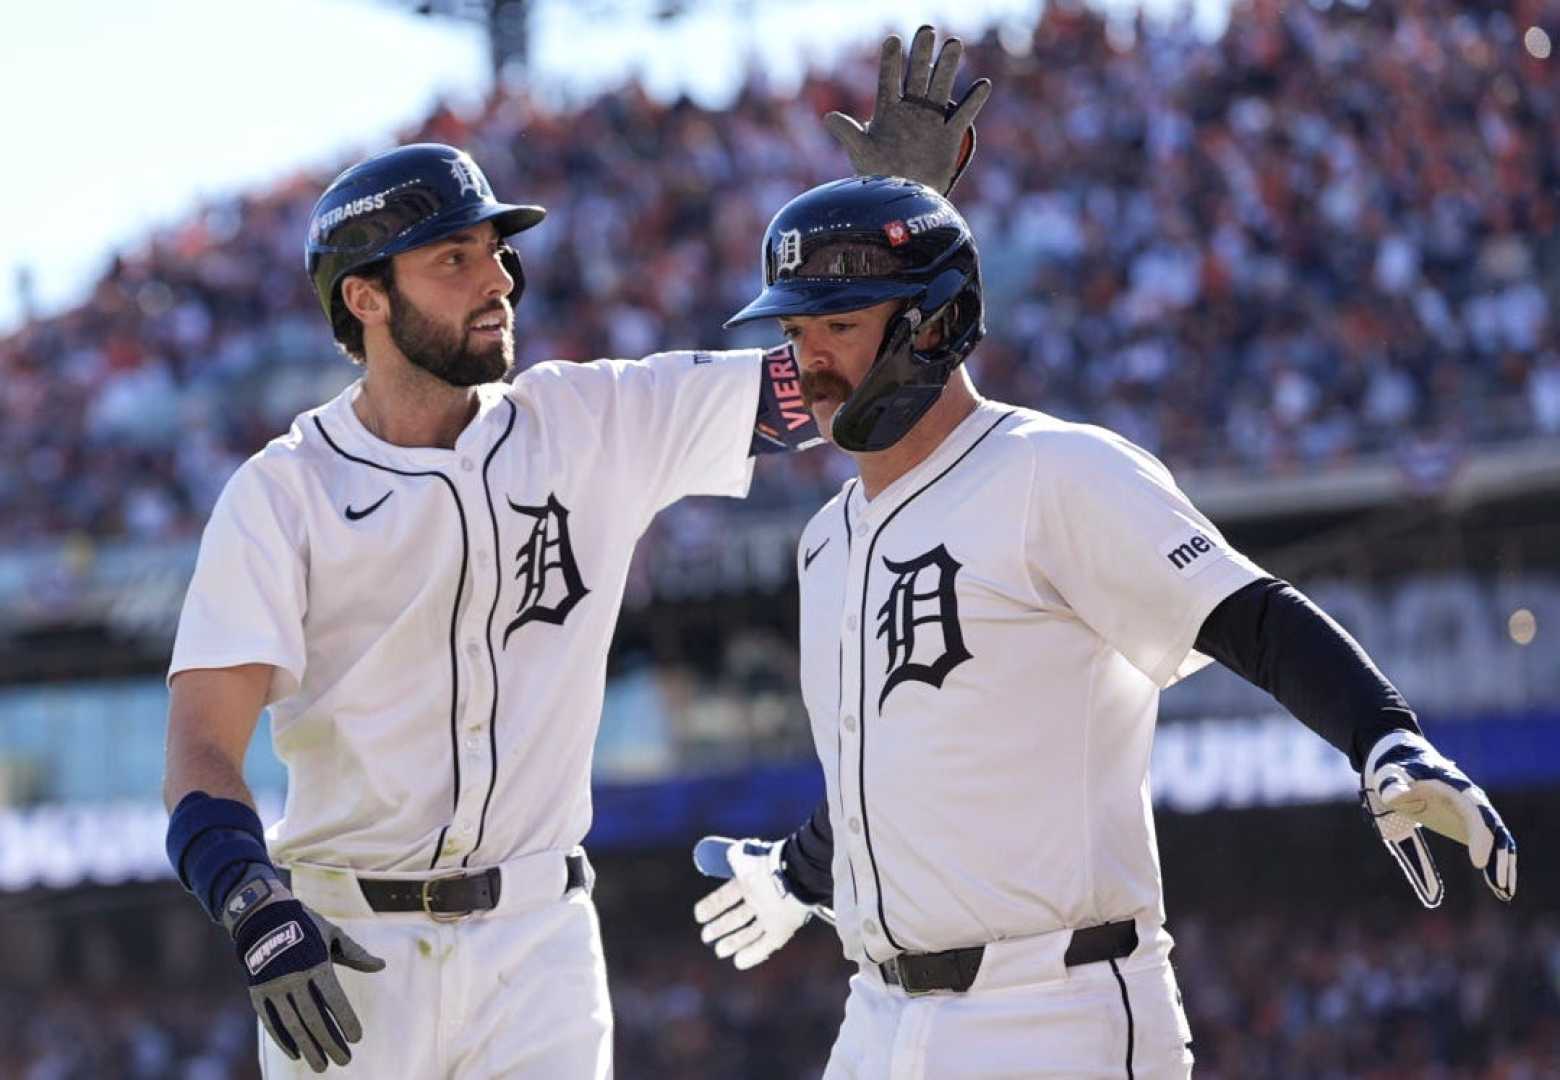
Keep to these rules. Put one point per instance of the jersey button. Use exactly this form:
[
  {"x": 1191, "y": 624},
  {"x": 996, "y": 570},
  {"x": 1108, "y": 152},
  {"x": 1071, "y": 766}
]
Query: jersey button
[
  {"x": 855, "y": 825},
  {"x": 850, "y": 622},
  {"x": 472, "y": 648},
  {"x": 850, "y": 722},
  {"x": 870, "y": 926},
  {"x": 861, "y": 529},
  {"x": 466, "y": 464}
]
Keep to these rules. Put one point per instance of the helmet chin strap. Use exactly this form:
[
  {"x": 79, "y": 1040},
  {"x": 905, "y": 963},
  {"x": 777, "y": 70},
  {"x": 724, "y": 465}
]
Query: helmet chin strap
[{"x": 903, "y": 383}]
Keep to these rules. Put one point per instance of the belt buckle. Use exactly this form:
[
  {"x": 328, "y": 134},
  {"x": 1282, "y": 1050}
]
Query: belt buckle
[{"x": 427, "y": 898}]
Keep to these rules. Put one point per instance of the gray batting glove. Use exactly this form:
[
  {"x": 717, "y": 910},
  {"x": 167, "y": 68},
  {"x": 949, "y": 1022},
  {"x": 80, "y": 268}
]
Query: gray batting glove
[
  {"x": 916, "y": 130},
  {"x": 1406, "y": 784},
  {"x": 289, "y": 953},
  {"x": 754, "y": 913}
]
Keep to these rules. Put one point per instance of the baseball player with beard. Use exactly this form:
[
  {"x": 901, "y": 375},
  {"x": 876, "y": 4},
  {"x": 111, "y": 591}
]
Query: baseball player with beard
[
  {"x": 989, "y": 611},
  {"x": 421, "y": 580}
]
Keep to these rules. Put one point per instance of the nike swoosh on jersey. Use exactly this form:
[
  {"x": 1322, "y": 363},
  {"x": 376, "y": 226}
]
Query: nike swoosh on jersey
[
  {"x": 809, "y": 556},
  {"x": 359, "y": 515}
]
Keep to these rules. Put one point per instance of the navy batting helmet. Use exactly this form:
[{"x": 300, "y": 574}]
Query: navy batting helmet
[
  {"x": 854, "y": 243},
  {"x": 399, "y": 200}
]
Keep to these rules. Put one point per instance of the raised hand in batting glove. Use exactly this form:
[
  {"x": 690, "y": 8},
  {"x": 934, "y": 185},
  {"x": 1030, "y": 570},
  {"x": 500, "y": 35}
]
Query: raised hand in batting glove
[
  {"x": 916, "y": 130},
  {"x": 1407, "y": 784},
  {"x": 754, "y": 913},
  {"x": 288, "y": 952}
]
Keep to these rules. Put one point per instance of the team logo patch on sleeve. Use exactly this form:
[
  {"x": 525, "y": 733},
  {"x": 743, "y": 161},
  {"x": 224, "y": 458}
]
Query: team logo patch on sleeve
[{"x": 1191, "y": 551}]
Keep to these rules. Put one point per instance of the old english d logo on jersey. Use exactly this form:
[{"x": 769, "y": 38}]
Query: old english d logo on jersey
[
  {"x": 548, "y": 576},
  {"x": 922, "y": 597}
]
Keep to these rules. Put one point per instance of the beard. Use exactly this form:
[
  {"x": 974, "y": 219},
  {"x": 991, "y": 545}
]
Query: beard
[{"x": 446, "y": 354}]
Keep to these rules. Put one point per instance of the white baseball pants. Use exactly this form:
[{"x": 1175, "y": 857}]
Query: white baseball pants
[
  {"x": 519, "y": 991},
  {"x": 1027, "y": 1017}
]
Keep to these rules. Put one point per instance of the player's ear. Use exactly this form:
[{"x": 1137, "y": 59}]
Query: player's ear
[
  {"x": 930, "y": 335},
  {"x": 366, "y": 299}
]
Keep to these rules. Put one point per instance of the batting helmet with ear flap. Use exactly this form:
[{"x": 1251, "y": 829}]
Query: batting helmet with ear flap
[
  {"x": 854, "y": 243},
  {"x": 399, "y": 200}
]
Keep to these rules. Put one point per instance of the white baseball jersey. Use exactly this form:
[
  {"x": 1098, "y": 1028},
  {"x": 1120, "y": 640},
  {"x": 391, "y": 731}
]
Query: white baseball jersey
[
  {"x": 439, "y": 618},
  {"x": 983, "y": 646}
]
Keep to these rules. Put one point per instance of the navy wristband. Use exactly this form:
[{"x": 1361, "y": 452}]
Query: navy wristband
[{"x": 210, "y": 841}]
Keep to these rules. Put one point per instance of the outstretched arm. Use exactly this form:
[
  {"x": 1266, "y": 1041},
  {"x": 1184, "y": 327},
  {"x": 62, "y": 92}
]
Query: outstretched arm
[{"x": 1272, "y": 636}]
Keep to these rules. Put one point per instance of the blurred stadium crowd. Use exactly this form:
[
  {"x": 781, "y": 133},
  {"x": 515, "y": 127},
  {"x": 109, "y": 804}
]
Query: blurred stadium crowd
[
  {"x": 1325, "y": 236},
  {"x": 1282, "y": 996},
  {"x": 1314, "y": 238}
]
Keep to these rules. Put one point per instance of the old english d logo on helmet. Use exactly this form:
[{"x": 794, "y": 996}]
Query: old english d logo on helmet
[
  {"x": 854, "y": 243},
  {"x": 788, "y": 251},
  {"x": 399, "y": 200},
  {"x": 468, "y": 176}
]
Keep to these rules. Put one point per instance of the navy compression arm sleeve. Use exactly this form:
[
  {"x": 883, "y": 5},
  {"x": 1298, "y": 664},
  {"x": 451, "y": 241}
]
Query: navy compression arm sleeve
[
  {"x": 808, "y": 858},
  {"x": 1273, "y": 637}
]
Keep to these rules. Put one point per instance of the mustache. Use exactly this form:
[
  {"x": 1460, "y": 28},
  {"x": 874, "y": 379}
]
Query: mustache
[{"x": 824, "y": 384}]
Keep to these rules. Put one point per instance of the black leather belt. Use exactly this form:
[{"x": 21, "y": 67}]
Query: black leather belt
[
  {"x": 455, "y": 895},
  {"x": 955, "y": 969}
]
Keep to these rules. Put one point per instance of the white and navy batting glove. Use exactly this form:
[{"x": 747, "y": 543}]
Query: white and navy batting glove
[
  {"x": 1407, "y": 784},
  {"x": 289, "y": 953},
  {"x": 754, "y": 913}
]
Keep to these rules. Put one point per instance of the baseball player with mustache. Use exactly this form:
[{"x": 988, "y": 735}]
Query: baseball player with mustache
[{"x": 989, "y": 611}]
